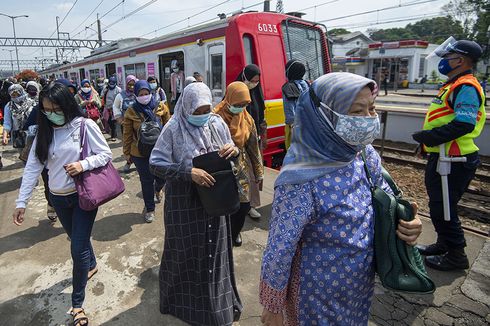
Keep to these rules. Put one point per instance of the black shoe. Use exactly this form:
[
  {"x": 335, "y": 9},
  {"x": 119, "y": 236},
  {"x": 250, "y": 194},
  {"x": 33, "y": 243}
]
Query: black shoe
[
  {"x": 452, "y": 260},
  {"x": 237, "y": 242},
  {"x": 432, "y": 249},
  {"x": 236, "y": 314}
]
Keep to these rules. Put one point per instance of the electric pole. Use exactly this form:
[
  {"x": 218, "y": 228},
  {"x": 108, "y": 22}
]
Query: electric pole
[
  {"x": 99, "y": 31},
  {"x": 58, "y": 36},
  {"x": 267, "y": 5}
]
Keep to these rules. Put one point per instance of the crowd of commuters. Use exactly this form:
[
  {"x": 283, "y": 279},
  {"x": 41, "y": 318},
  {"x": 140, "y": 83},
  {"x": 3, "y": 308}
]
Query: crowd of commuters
[{"x": 317, "y": 268}]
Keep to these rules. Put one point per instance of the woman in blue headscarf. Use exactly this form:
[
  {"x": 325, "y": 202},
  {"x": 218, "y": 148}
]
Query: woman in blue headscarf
[
  {"x": 321, "y": 228},
  {"x": 145, "y": 108}
]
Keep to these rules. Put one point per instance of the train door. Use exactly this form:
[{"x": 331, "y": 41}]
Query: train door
[
  {"x": 82, "y": 75},
  {"x": 215, "y": 71},
  {"x": 165, "y": 71},
  {"x": 110, "y": 69}
]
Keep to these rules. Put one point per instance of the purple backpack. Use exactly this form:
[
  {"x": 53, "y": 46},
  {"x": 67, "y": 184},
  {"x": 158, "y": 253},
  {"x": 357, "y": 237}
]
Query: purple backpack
[{"x": 97, "y": 186}]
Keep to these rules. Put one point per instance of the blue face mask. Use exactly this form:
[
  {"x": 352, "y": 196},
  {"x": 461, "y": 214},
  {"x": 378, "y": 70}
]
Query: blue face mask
[
  {"x": 236, "y": 110},
  {"x": 199, "y": 120},
  {"x": 153, "y": 86},
  {"x": 55, "y": 117},
  {"x": 444, "y": 67}
]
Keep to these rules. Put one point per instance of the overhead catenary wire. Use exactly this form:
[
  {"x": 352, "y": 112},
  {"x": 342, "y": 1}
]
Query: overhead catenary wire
[
  {"x": 90, "y": 14},
  {"x": 105, "y": 14},
  {"x": 386, "y": 21},
  {"x": 318, "y": 5}
]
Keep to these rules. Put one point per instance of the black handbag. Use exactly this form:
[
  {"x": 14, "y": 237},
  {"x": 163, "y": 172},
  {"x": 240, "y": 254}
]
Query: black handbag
[
  {"x": 222, "y": 198},
  {"x": 148, "y": 134},
  {"x": 19, "y": 139},
  {"x": 398, "y": 265}
]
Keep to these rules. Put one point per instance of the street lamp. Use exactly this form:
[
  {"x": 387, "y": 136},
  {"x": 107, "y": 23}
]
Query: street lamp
[
  {"x": 15, "y": 37},
  {"x": 11, "y": 60}
]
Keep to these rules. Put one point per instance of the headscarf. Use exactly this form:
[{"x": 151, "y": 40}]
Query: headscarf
[
  {"x": 146, "y": 110},
  {"x": 67, "y": 83},
  {"x": 188, "y": 141},
  {"x": 20, "y": 111},
  {"x": 33, "y": 84},
  {"x": 256, "y": 108},
  {"x": 112, "y": 81},
  {"x": 240, "y": 124},
  {"x": 128, "y": 79},
  {"x": 295, "y": 70},
  {"x": 315, "y": 148},
  {"x": 83, "y": 95}
]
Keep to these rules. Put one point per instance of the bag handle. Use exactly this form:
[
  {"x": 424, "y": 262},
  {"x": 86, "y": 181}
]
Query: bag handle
[
  {"x": 83, "y": 140},
  {"x": 366, "y": 169},
  {"x": 215, "y": 135},
  {"x": 386, "y": 176}
]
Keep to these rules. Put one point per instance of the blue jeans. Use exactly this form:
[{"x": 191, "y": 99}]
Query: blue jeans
[
  {"x": 78, "y": 225},
  {"x": 149, "y": 183}
]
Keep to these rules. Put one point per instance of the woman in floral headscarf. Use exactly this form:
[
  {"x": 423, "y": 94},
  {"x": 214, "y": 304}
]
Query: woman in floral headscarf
[
  {"x": 197, "y": 282},
  {"x": 322, "y": 229},
  {"x": 16, "y": 113}
]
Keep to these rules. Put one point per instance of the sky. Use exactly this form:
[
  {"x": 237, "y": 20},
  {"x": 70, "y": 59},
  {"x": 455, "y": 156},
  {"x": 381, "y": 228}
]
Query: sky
[{"x": 153, "y": 19}]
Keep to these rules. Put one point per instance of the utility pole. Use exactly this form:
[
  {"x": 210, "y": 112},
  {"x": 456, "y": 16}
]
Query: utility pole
[
  {"x": 267, "y": 5},
  {"x": 11, "y": 60},
  {"x": 58, "y": 36},
  {"x": 15, "y": 36},
  {"x": 99, "y": 31}
]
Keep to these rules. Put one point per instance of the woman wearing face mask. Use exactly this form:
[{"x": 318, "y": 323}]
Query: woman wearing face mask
[
  {"x": 291, "y": 91},
  {"x": 57, "y": 148},
  {"x": 322, "y": 228},
  {"x": 251, "y": 77},
  {"x": 145, "y": 108},
  {"x": 244, "y": 135},
  {"x": 157, "y": 92},
  {"x": 89, "y": 101},
  {"x": 16, "y": 113},
  {"x": 176, "y": 82},
  {"x": 109, "y": 95},
  {"x": 197, "y": 281},
  {"x": 122, "y": 102},
  {"x": 32, "y": 89}
]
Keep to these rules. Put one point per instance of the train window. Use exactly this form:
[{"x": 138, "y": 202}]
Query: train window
[
  {"x": 110, "y": 69},
  {"x": 305, "y": 44},
  {"x": 136, "y": 69},
  {"x": 249, "y": 49},
  {"x": 94, "y": 74},
  {"x": 216, "y": 71}
]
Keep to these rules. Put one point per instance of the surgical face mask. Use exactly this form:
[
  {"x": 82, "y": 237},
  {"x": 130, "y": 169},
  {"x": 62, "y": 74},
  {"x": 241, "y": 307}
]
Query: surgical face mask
[
  {"x": 153, "y": 86},
  {"x": 55, "y": 117},
  {"x": 19, "y": 99},
  {"x": 199, "y": 120},
  {"x": 236, "y": 110},
  {"x": 176, "y": 69},
  {"x": 355, "y": 130},
  {"x": 144, "y": 100},
  {"x": 86, "y": 89},
  {"x": 444, "y": 67},
  {"x": 251, "y": 85},
  {"x": 101, "y": 85}
]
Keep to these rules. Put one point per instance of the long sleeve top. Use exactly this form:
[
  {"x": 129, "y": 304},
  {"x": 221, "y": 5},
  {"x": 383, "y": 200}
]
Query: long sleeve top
[
  {"x": 290, "y": 105},
  {"x": 64, "y": 149}
]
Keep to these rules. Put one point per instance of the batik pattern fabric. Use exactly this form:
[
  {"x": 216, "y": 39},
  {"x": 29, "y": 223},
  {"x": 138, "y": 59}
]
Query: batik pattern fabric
[{"x": 318, "y": 267}]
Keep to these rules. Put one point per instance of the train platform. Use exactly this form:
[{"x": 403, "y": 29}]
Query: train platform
[{"x": 35, "y": 266}]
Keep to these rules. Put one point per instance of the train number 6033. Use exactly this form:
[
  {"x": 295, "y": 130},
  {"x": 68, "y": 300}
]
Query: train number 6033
[{"x": 267, "y": 28}]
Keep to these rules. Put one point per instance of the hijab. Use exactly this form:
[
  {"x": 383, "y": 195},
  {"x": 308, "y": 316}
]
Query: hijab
[
  {"x": 240, "y": 124},
  {"x": 256, "y": 108},
  {"x": 128, "y": 79},
  {"x": 148, "y": 109},
  {"x": 316, "y": 149},
  {"x": 21, "y": 109},
  {"x": 295, "y": 70},
  {"x": 83, "y": 95}
]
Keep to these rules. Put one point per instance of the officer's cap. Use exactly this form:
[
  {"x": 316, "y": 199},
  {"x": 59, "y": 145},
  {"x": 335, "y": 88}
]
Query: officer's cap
[{"x": 465, "y": 47}]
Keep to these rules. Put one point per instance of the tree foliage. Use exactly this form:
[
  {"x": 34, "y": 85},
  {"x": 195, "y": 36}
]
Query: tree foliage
[
  {"x": 338, "y": 31},
  {"x": 436, "y": 30},
  {"x": 27, "y": 75}
]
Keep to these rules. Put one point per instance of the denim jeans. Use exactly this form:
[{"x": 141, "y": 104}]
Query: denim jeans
[
  {"x": 78, "y": 225},
  {"x": 149, "y": 183}
]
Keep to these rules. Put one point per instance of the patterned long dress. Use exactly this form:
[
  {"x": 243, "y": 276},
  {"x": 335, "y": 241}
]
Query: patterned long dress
[{"x": 317, "y": 267}]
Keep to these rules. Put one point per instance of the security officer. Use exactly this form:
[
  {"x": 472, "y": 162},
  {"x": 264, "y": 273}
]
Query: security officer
[{"x": 455, "y": 118}]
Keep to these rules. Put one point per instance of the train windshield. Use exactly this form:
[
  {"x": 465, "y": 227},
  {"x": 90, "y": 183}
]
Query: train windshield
[{"x": 305, "y": 43}]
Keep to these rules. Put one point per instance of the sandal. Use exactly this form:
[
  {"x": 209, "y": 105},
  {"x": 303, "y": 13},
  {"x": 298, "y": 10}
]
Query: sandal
[
  {"x": 78, "y": 321},
  {"x": 92, "y": 272}
]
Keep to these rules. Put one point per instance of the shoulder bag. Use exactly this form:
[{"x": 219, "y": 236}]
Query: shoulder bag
[
  {"x": 98, "y": 186},
  {"x": 398, "y": 265}
]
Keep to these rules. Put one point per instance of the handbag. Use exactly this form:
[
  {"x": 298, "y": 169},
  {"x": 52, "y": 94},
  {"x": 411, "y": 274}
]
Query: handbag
[
  {"x": 222, "y": 198},
  {"x": 98, "y": 186},
  {"x": 398, "y": 265},
  {"x": 19, "y": 139}
]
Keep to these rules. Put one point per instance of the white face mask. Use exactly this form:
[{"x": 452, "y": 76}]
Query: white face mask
[
  {"x": 144, "y": 99},
  {"x": 355, "y": 130},
  {"x": 86, "y": 89},
  {"x": 176, "y": 69},
  {"x": 251, "y": 85}
]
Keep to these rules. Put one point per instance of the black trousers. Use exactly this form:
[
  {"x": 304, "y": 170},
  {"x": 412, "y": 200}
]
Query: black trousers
[
  {"x": 45, "y": 177},
  {"x": 112, "y": 125},
  {"x": 450, "y": 233},
  {"x": 237, "y": 220}
]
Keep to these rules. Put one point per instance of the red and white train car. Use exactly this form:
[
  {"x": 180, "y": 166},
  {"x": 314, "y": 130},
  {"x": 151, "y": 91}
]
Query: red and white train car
[{"x": 219, "y": 51}]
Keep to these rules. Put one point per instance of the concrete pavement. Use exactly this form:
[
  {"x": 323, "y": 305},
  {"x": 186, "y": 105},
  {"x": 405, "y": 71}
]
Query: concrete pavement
[{"x": 35, "y": 267}]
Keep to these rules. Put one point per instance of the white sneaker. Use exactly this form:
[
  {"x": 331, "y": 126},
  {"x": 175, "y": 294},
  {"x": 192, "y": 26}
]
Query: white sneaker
[
  {"x": 149, "y": 217},
  {"x": 126, "y": 168},
  {"x": 253, "y": 213}
]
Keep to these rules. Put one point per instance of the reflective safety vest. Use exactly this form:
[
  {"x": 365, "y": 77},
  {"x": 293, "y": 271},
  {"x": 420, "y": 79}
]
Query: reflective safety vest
[{"x": 440, "y": 113}]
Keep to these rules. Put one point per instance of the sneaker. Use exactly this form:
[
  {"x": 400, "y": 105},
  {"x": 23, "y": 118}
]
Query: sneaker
[
  {"x": 51, "y": 213},
  {"x": 126, "y": 168},
  {"x": 149, "y": 217},
  {"x": 254, "y": 214},
  {"x": 158, "y": 196}
]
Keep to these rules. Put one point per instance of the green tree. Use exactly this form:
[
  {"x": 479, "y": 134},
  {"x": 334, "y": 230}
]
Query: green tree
[
  {"x": 436, "y": 30},
  {"x": 338, "y": 31},
  {"x": 391, "y": 34},
  {"x": 434, "y": 76}
]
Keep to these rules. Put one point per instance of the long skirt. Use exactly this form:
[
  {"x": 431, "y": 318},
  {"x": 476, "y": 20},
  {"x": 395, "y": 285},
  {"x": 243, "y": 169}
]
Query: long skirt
[{"x": 197, "y": 281}]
